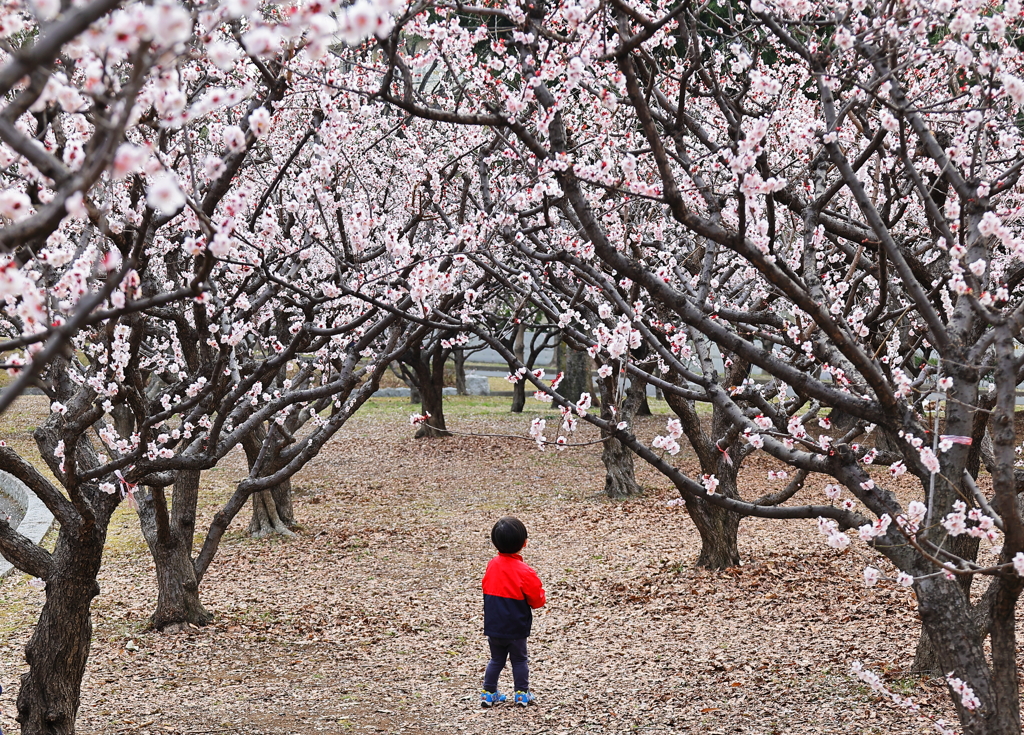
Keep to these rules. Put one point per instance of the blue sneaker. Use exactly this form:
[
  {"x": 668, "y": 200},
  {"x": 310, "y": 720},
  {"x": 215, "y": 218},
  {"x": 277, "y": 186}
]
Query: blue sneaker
[
  {"x": 489, "y": 699},
  {"x": 524, "y": 698}
]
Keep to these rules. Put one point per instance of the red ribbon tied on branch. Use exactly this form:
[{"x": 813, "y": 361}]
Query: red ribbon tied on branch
[
  {"x": 128, "y": 490},
  {"x": 954, "y": 439},
  {"x": 725, "y": 453}
]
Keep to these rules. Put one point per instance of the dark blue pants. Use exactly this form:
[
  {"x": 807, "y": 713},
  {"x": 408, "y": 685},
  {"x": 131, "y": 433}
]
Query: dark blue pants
[{"x": 502, "y": 649}]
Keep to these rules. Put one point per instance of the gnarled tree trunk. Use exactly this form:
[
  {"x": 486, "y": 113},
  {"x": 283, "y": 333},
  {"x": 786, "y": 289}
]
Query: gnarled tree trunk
[
  {"x": 959, "y": 642},
  {"x": 427, "y": 372},
  {"x": 267, "y": 516},
  {"x": 178, "y": 600},
  {"x": 718, "y": 528},
  {"x": 271, "y": 509},
  {"x": 59, "y": 647},
  {"x": 433, "y": 404},
  {"x": 643, "y": 407},
  {"x": 926, "y": 656},
  {"x": 619, "y": 477},
  {"x": 170, "y": 543}
]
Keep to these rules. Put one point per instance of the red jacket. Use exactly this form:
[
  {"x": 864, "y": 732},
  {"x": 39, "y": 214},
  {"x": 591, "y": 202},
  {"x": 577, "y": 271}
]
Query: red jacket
[{"x": 512, "y": 590}]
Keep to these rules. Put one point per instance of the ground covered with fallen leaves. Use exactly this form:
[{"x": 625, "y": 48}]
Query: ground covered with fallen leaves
[{"x": 369, "y": 620}]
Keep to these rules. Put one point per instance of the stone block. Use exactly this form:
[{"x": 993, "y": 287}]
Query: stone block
[{"x": 478, "y": 385}]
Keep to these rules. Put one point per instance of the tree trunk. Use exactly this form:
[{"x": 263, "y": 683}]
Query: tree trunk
[
  {"x": 283, "y": 502},
  {"x": 577, "y": 375},
  {"x": 519, "y": 389},
  {"x": 271, "y": 509},
  {"x": 266, "y": 518},
  {"x": 718, "y": 529},
  {"x": 429, "y": 369},
  {"x": 59, "y": 647},
  {"x": 459, "y": 356},
  {"x": 178, "y": 600},
  {"x": 842, "y": 422},
  {"x": 643, "y": 408},
  {"x": 170, "y": 544},
  {"x": 619, "y": 476},
  {"x": 959, "y": 641},
  {"x": 926, "y": 656},
  {"x": 433, "y": 404},
  {"x": 519, "y": 396}
]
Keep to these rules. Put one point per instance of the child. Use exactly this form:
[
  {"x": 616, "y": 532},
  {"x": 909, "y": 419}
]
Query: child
[{"x": 512, "y": 590}]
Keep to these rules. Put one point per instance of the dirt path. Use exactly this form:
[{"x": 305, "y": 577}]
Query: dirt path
[{"x": 370, "y": 620}]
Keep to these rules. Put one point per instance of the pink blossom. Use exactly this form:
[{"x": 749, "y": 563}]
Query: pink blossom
[
  {"x": 262, "y": 41},
  {"x": 128, "y": 160},
  {"x": 164, "y": 194},
  {"x": 74, "y": 205},
  {"x": 929, "y": 460},
  {"x": 1014, "y": 87},
  {"x": 835, "y": 538},
  {"x": 15, "y": 204},
  {"x": 47, "y": 9},
  {"x": 234, "y": 138},
  {"x": 222, "y": 55},
  {"x": 259, "y": 122},
  {"x": 844, "y": 39},
  {"x": 170, "y": 24},
  {"x": 956, "y": 522},
  {"x": 967, "y": 697}
]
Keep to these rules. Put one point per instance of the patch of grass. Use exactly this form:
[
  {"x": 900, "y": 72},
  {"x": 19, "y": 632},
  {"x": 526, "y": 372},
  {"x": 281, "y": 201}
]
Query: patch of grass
[{"x": 20, "y": 609}]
